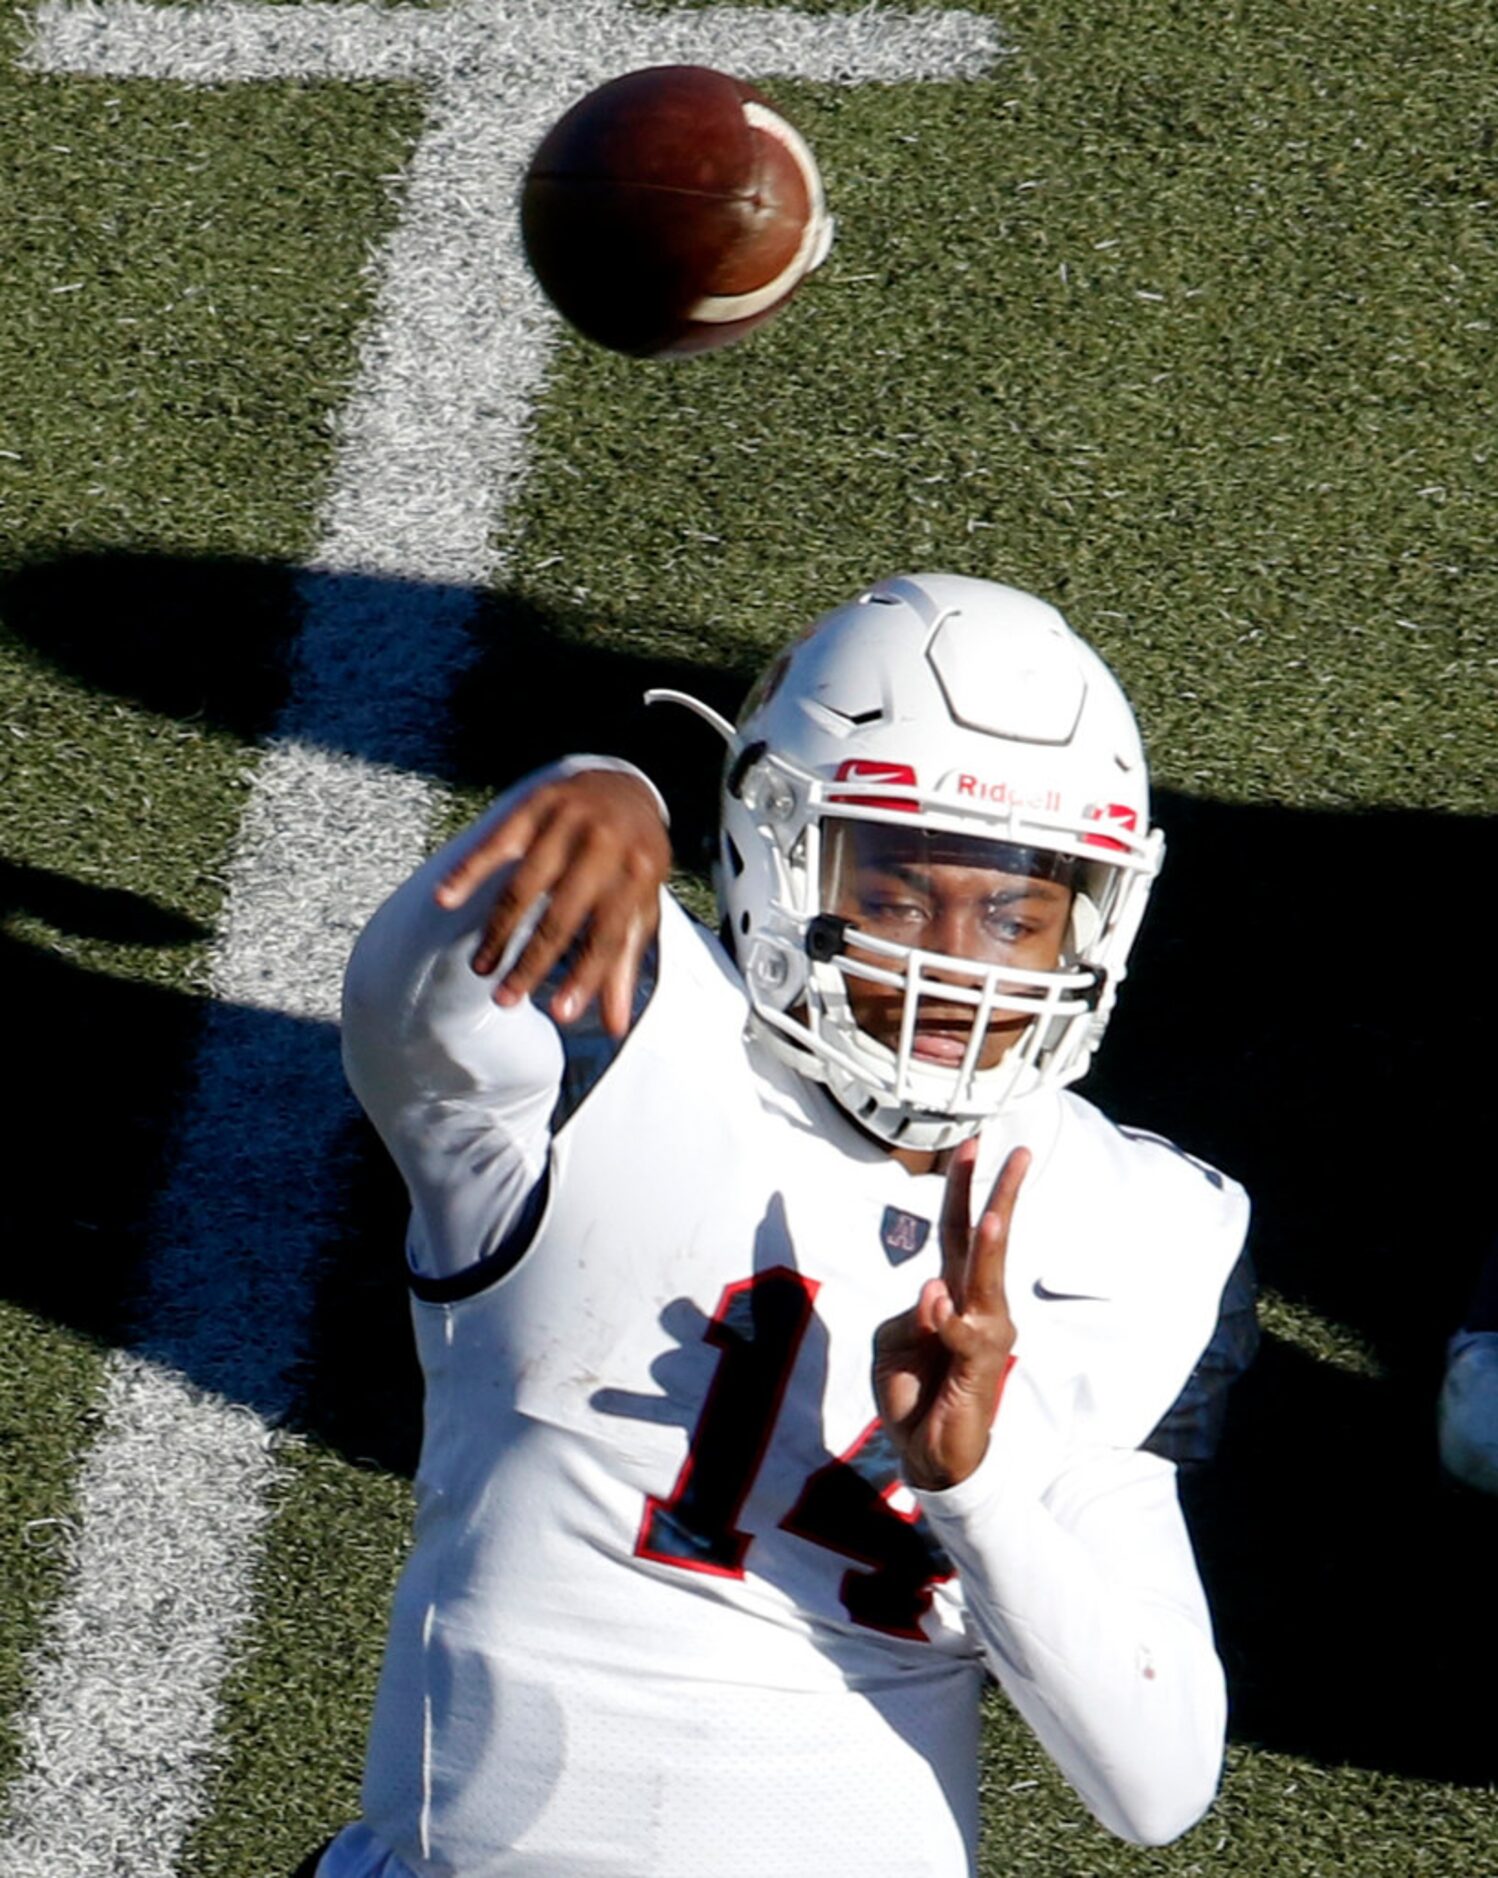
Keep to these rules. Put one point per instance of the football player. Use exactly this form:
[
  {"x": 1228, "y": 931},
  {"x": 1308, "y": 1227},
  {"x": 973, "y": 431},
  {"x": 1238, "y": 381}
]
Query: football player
[{"x": 791, "y": 1332}]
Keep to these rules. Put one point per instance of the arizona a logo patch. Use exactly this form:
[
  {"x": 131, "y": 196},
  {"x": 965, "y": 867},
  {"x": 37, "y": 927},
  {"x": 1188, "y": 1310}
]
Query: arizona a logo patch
[{"x": 902, "y": 1234}]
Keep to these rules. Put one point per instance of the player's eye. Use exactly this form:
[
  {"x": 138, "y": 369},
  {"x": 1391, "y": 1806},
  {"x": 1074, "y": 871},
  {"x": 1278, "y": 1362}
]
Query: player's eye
[
  {"x": 1000, "y": 921},
  {"x": 886, "y": 911}
]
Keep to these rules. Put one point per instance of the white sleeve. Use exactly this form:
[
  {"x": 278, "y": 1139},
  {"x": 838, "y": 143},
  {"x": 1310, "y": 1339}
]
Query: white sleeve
[
  {"x": 1090, "y": 1612},
  {"x": 460, "y": 1090}
]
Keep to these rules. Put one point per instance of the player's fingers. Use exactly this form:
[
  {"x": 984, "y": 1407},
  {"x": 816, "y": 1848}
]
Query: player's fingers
[
  {"x": 984, "y": 1286},
  {"x": 603, "y": 955},
  {"x": 504, "y": 843},
  {"x": 956, "y": 1214},
  {"x": 976, "y": 1346},
  {"x": 517, "y": 905},
  {"x": 544, "y": 870},
  {"x": 899, "y": 1374},
  {"x": 572, "y": 900},
  {"x": 898, "y": 1339},
  {"x": 582, "y": 847},
  {"x": 616, "y": 1000},
  {"x": 621, "y": 910}
]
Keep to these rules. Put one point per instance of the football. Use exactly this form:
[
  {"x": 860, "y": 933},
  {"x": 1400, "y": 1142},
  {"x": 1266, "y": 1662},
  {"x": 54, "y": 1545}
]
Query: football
[{"x": 672, "y": 211}]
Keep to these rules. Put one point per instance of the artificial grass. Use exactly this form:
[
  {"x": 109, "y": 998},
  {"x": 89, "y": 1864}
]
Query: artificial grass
[
  {"x": 48, "y": 1376},
  {"x": 184, "y": 287}
]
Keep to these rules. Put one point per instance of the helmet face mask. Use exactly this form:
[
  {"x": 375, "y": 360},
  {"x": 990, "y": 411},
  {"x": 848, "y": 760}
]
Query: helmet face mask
[
  {"x": 937, "y": 954},
  {"x": 935, "y": 854}
]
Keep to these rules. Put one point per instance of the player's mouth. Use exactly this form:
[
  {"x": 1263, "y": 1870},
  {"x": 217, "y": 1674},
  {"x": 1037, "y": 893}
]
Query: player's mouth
[
  {"x": 942, "y": 1035},
  {"x": 939, "y": 1046},
  {"x": 945, "y": 1044}
]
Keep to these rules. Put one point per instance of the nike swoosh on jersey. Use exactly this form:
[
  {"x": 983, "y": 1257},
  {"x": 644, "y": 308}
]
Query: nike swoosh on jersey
[{"x": 1043, "y": 1290}]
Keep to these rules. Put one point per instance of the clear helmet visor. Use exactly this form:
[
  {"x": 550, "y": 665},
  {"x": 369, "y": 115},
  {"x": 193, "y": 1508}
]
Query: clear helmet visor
[{"x": 947, "y": 951}]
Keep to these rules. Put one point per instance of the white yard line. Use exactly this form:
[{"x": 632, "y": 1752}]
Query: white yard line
[
  {"x": 568, "y": 44},
  {"x": 119, "y": 1737}
]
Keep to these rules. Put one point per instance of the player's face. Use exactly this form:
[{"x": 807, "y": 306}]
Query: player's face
[{"x": 958, "y": 897}]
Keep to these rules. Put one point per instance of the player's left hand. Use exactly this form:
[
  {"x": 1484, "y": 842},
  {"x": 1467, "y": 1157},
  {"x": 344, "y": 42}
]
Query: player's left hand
[{"x": 939, "y": 1366}]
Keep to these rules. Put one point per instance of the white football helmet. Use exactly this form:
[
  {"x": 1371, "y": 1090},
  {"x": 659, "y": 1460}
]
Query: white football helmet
[{"x": 948, "y": 720}]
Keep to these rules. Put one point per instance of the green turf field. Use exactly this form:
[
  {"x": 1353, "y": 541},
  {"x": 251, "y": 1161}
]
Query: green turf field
[{"x": 1182, "y": 317}]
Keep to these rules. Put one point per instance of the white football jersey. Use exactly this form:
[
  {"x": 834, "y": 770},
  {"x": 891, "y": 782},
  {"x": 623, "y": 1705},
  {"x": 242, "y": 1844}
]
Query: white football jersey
[{"x": 670, "y": 1608}]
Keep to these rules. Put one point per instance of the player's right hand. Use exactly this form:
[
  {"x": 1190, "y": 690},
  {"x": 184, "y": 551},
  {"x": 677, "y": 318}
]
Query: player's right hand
[
  {"x": 939, "y": 1367},
  {"x": 594, "y": 845}
]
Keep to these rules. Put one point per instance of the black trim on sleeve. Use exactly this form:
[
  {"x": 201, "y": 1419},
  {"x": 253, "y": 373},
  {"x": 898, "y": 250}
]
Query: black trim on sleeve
[{"x": 494, "y": 1265}]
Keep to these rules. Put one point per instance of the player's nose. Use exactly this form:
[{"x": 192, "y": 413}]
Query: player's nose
[{"x": 954, "y": 930}]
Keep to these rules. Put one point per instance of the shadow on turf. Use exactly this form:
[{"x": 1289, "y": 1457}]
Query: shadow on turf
[
  {"x": 94, "y": 1067},
  {"x": 1300, "y": 1012}
]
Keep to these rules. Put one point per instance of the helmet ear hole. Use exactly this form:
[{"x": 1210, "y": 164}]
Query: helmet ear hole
[{"x": 734, "y": 859}]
